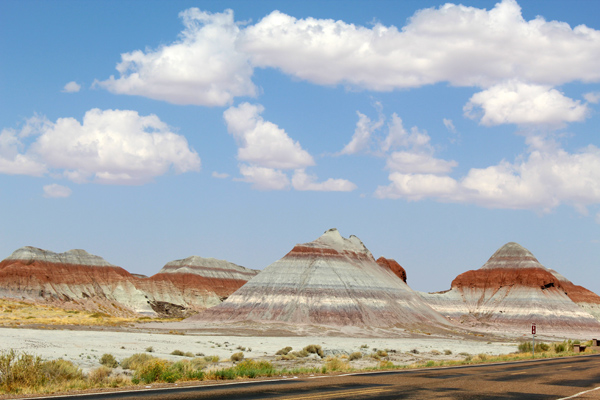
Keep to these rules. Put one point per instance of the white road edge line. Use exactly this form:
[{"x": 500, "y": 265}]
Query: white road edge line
[{"x": 579, "y": 394}]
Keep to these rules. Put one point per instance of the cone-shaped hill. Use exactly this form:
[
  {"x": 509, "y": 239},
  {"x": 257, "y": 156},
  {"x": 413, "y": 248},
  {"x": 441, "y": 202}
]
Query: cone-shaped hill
[
  {"x": 508, "y": 293},
  {"x": 330, "y": 281}
]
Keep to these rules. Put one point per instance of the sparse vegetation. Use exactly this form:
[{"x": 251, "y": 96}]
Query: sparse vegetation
[
  {"x": 284, "y": 351},
  {"x": 357, "y": 355},
  {"x": 237, "y": 356},
  {"x": 314, "y": 349},
  {"x": 149, "y": 349},
  {"x": 447, "y": 352},
  {"x": 108, "y": 360}
]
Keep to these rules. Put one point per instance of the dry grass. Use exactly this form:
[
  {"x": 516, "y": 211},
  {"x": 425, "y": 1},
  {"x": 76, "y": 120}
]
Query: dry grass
[{"x": 15, "y": 313}]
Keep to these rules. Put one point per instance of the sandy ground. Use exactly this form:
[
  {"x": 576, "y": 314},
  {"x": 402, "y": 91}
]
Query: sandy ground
[{"x": 85, "y": 347}]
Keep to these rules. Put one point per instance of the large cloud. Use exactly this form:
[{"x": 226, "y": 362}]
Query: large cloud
[
  {"x": 110, "y": 146},
  {"x": 515, "y": 102},
  {"x": 465, "y": 46},
  {"x": 203, "y": 67}
]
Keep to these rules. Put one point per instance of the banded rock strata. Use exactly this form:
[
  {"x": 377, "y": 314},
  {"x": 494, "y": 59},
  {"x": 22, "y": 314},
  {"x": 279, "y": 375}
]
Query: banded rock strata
[
  {"x": 583, "y": 297},
  {"x": 85, "y": 281},
  {"x": 509, "y": 292},
  {"x": 330, "y": 281},
  {"x": 76, "y": 277},
  {"x": 194, "y": 283}
]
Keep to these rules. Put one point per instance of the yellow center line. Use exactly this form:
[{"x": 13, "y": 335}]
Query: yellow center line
[
  {"x": 518, "y": 373},
  {"x": 337, "y": 394},
  {"x": 568, "y": 366}
]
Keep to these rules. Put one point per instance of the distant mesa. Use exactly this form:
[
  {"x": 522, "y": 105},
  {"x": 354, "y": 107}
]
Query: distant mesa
[
  {"x": 329, "y": 281},
  {"x": 509, "y": 292},
  {"x": 81, "y": 280}
]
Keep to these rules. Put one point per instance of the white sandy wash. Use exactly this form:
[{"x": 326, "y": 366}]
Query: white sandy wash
[{"x": 85, "y": 348}]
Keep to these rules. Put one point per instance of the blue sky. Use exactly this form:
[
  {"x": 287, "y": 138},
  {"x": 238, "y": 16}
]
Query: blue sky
[{"x": 148, "y": 132}]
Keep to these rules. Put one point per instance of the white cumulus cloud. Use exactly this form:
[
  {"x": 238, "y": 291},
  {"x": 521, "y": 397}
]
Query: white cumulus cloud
[
  {"x": 263, "y": 142},
  {"x": 108, "y": 146},
  {"x": 203, "y": 67},
  {"x": 465, "y": 46},
  {"x": 362, "y": 134},
  {"x": 72, "y": 87},
  {"x": 263, "y": 178},
  {"x": 515, "y": 102},
  {"x": 220, "y": 175},
  {"x": 56, "y": 191},
  {"x": 592, "y": 97},
  {"x": 302, "y": 181},
  {"x": 542, "y": 179}
]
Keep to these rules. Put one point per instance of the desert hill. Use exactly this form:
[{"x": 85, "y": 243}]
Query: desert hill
[
  {"x": 329, "y": 281},
  {"x": 508, "y": 293}
]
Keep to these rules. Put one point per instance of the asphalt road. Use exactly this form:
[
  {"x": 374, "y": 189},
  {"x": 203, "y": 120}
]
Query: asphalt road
[{"x": 540, "y": 379}]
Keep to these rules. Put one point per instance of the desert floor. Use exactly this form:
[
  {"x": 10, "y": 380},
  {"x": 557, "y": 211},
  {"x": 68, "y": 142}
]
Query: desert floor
[{"x": 85, "y": 347}]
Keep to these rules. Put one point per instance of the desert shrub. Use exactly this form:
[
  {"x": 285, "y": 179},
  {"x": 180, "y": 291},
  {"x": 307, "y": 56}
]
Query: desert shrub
[
  {"x": 357, "y": 355},
  {"x": 364, "y": 346},
  {"x": 314, "y": 349},
  {"x": 20, "y": 370},
  {"x": 287, "y": 357},
  {"x": 576, "y": 342},
  {"x": 222, "y": 374},
  {"x": 336, "y": 364},
  {"x": 136, "y": 360},
  {"x": 149, "y": 349},
  {"x": 61, "y": 370},
  {"x": 177, "y": 353},
  {"x": 435, "y": 352},
  {"x": 99, "y": 315},
  {"x": 99, "y": 375},
  {"x": 189, "y": 369},
  {"x": 242, "y": 348},
  {"x": 253, "y": 368},
  {"x": 283, "y": 351},
  {"x": 237, "y": 356},
  {"x": 482, "y": 356},
  {"x": 213, "y": 359},
  {"x": 447, "y": 352},
  {"x": 468, "y": 357},
  {"x": 382, "y": 353},
  {"x": 560, "y": 347},
  {"x": 155, "y": 370},
  {"x": 414, "y": 351},
  {"x": 525, "y": 347},
  {"x": 300, "y": 354},
  {"x": 542, "y": 347},
  {"x": 385, "y": 364},
  {"x": 108, "y": 360}
]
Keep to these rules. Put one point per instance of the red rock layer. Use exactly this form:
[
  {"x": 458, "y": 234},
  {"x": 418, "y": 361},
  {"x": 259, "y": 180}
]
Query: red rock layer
[
  {"x": 497, "y": 278},
  {"x": 393, "y": 266}
]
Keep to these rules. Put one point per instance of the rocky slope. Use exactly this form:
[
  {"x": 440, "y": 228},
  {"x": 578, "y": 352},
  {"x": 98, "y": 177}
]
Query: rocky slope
[
  {"x": 509, "y": 292},
  {"x": 84, "y": 281},
  {"x": 193, "y": 284},
  {"x": 584, "y": 298},
  {"x": 330, "y": 281}
]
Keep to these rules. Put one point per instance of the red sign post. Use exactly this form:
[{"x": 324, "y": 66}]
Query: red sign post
[{"x": 533, "y": 330}]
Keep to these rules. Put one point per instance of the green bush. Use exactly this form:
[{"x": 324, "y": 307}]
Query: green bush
[{"x": 108, "y": 360}]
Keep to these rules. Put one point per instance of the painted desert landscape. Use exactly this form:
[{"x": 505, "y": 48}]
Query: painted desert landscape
[{"x": 326, "y": 306}]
